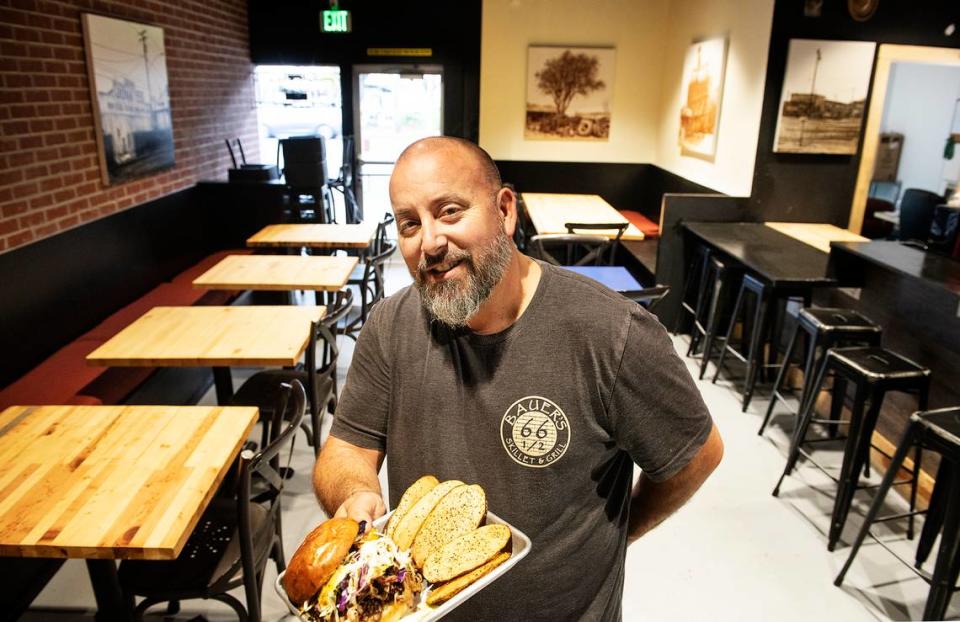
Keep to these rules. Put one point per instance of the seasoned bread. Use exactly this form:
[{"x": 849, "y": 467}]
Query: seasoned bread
[
  {"x": 408, "y": 526},
  {"x": 465, "y": 553},
  {"x": 445, "y": 591},
  {"x": 462, "y": 510},
  {"x": 411, "y": 495},
  {"x": 320, "y": 553}
]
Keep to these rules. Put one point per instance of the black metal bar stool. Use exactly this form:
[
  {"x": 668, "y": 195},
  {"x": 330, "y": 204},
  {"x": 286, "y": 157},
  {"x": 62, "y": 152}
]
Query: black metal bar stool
[
  {"x": 873, "y": 371},
  {"x": 823, "y": 328},
  {"x": 721, "y": 276},
  {"x": 696, "y": 278},
  {"x": 936, "y": 430},
  {"x": 767, "y": 297}
]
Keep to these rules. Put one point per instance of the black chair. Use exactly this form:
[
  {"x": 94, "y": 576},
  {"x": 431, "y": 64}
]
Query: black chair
[
  {"x": 713, "y": 296},
  {"x": 236, "y": 535},
  {"x": 318, "y": 374},
  {"x": 371, "y": 284},
  {"x": 916, "y": 213},
  {"x": 939, "y": 431},
  {"x": 648, "y": 297},
  {"x": 695, "y": 280},
  {"x": 577, "y": 249},
  {"x": 873, "y": 227},
  {"x": 823, "y": 328},
  {"x": 619, "y": 227},
  {"x": 344, "y": 184},
  {"x": 874, "y": 372}
]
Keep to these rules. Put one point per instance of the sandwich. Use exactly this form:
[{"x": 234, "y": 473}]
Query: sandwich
[{"x": 340, "y": 573}]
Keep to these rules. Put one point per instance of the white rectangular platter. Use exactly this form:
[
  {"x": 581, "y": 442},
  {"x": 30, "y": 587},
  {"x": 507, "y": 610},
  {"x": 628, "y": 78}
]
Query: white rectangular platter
[{"x": 519, "y": 542}]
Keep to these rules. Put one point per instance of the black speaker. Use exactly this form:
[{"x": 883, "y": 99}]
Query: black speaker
[{"x": 304, "y": 161}]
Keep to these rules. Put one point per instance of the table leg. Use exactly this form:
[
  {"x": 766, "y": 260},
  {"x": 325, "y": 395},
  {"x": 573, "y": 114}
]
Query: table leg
[
  {"x": 112, "y": 603},
  {"x": 224, "y": 385}
]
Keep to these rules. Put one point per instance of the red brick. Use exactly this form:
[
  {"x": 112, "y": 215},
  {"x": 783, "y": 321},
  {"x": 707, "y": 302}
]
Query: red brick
[
  {"x": 25, "y": 189},
  {"x": 12, "y": 128},
  {"x": 55, "y": 213},
  {"x": 30, "y": 142},
  {"x": 64, "y": 195},
  {"x": 69, "y": 221},
  {"x": 20, "y": 159},
  {"x": 54, "y": 139},
  {"x": 19, "y": 239},
  {"x": 53, "y": 183},
  {"x": 7, "y": 226},
  {"x": 59, "y": 166},
  {"x": 41, "y": 201},
  {"x": 47, "y": 155},
  {"x": 41, "y": 126},
  {"x": 23, "y": 111},
  {"x": 14, "y": 209},
  {"x": 48, "y": 110},
  {"x": 35, "y": 95},
  {"x": 8, "y": 178},
  {"x": 47, "y": 229},
  {"x": 10, "y": 96},
  {"x": 35, "y": 172},
  {"x": 30, "y": 220}
]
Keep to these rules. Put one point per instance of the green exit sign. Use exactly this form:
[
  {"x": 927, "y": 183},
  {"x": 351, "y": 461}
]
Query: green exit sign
[{"x": 335, "y": 21}]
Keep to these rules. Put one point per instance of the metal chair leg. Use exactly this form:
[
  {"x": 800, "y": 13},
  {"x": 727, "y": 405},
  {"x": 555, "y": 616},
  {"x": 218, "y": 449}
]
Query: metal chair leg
[
  {"x": 801, "y": 430},
  {"x": 775, "y": 395},
  {"x": 756, "y": 349},
  {"x": 948, "y": 565},
  {"x": 852, "y": 464},
  {"x": 726, "y": 340}
]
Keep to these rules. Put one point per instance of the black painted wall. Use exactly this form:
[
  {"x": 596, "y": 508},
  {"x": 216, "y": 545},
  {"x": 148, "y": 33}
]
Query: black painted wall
[
  {"x": 819, "y": 188},
  {"x": 287, "y": 32}
]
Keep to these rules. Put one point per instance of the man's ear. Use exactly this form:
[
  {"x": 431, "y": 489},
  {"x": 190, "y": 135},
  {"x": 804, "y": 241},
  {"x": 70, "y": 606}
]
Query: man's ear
[{"x": 507, "y": 210}]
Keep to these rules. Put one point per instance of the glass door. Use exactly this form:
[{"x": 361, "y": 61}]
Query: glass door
[{"x": 394, "y": 105}]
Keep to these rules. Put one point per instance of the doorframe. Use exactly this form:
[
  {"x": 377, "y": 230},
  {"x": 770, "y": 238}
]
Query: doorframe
[{"x": 887, "y": 55}]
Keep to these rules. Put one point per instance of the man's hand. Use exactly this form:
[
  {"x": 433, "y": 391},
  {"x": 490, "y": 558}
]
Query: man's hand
[{"x": 363, "y": 505}]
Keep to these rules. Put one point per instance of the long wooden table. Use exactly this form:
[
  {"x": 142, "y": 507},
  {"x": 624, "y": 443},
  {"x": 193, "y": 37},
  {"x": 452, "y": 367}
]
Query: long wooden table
[
  {"x": 551, "y": 212},
  {"x": 314, "y": 236},
  {"x": 217, "y": 337},
  {"x": 278, "y": 273},
  {"x": 817, "y": 235},
  {"x": 111, "y": 482}
]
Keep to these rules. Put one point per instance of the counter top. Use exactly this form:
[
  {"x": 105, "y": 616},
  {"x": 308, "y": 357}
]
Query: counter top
[{"x": 930, "y": 268}]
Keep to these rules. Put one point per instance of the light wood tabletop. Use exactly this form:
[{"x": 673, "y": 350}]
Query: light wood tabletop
[
  {"x": 111, "y": 482},
  {"x": 551, "y": 212},
  {"x": 211, "y": 336},
  {"x": 278, "y": 272},
  {"x": 314, "y": 236},
  {"x": 816, "y": 234}
]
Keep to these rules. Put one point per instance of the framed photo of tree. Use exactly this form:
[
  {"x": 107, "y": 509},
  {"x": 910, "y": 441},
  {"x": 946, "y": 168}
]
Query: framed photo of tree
[{"x": 568, "y": 92}]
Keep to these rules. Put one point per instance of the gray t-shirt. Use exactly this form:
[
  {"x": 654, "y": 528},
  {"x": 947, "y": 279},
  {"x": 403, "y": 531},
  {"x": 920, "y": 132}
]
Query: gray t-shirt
[{"x": 548, "y": 416}]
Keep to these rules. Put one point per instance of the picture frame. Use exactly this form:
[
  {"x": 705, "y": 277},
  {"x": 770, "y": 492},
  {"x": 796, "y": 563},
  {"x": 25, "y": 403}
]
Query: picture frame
[
  {"x": 701, "y": 97},
  {"x": 129, "y": 91}
]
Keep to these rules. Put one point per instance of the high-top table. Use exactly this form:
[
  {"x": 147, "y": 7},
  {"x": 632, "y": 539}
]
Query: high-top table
[
  {"x": 217, "y": 337},
  {"x": 314, "y": 236},
  {"x": 278, "y": 273},
  {"x": 551, "y": 212},
  {"x": 817, "y": 235},
  {"x": 104, "y": 483}
]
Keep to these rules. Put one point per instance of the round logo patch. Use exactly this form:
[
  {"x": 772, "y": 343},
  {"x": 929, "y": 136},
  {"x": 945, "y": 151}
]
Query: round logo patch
[{"x": 535, "y": 432}]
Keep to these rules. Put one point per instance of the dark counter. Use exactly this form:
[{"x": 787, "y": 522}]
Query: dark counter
[{"x": 931, "y": 269}]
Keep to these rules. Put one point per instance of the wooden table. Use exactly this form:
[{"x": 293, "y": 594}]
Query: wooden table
[
  {"x": 817, "y": 235},
  {"x": 314, "y": 236},
  {"x": 551, "y": 212},
  {"x": 217, "y": 337},
  {"x": 111, "y": 482},
  {"x": 278, "y": 273}
]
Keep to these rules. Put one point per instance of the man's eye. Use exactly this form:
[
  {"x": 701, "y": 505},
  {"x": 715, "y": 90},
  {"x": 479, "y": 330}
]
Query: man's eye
[
  {"x": 406, "y": 226},
  {"x": 450, "y": 211}
]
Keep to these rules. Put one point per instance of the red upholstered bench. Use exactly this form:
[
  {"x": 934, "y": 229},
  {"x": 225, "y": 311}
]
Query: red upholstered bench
[
  {"x": 649, "y": 228},
  {"x": 65, "y": 377}
]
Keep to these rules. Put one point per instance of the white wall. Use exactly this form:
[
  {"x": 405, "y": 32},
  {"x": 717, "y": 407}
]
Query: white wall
[
  {"x": 634, "y": 27},
  {"x": 919, "y": 104},
  {"x": 747, "y": 24}
]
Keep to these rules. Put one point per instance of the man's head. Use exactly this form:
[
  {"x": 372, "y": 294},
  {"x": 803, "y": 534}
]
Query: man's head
[{"x": 455, "y": 223}]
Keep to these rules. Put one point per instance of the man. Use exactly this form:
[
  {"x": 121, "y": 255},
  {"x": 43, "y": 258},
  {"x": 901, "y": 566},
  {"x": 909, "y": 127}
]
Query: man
[{"x": 536, "y": 383}]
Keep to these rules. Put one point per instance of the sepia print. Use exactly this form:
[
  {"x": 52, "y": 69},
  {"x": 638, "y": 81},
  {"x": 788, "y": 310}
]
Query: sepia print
[
  {"x": 568, "y": 93},
  {"x": 131, "y": 100},
  {"x": 824, "y": 95},
  {"x": 702, "y": 90}
]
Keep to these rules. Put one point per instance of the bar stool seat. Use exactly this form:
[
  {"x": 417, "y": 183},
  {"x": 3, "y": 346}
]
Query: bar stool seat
[
  {"x": 937, "y": 430},
  {"x": 873, "y": 371},
  {"x": 823, "y": 328}
]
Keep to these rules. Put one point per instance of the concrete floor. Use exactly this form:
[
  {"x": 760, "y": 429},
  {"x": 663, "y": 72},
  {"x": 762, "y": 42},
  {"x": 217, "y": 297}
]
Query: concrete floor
[{"x": 733, "y": 553}]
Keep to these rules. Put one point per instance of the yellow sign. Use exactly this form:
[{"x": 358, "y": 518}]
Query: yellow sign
[{"x": 399, "y": 51}]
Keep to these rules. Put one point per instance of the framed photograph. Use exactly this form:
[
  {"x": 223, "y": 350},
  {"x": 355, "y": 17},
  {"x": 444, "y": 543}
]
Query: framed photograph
[
  {"x": 824, "y": 95},
  {"x": 131, "y": 100},
  {"x": 568, "y": 93},
  {"x": 702, "y": 94}
]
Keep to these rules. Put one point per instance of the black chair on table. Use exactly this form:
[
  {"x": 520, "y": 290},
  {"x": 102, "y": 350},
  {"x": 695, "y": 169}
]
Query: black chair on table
[
  {"x": 619, "y": 227},
  {"x": 938, "y": 431},
  {"x": 318, "y": 374},
  {"x": 370, "y": 281},
  {"x": 236, "y": 535},
  {"x": 917, "y": 209},
  {"x": 716, "y": 284},
  {"x": 344, "y": 183}
]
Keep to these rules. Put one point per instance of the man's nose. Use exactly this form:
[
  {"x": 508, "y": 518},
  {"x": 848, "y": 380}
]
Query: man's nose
[{"x": 432, "y": 241}]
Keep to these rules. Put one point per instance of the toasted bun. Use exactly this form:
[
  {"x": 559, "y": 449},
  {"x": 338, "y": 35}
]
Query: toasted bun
[
  {"x": 460, "y": 511},
  {"x": 445, "y": 591},
  {"x": 321, "y": 552},
  {"x": 414, "y": 493},
  {"x": 408, "y": 526},
  {"x": 463, "y": 554}
]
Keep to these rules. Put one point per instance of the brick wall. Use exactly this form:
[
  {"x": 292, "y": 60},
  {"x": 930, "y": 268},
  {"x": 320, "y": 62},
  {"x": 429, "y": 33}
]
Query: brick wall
[{"x": 50, "y": 178}]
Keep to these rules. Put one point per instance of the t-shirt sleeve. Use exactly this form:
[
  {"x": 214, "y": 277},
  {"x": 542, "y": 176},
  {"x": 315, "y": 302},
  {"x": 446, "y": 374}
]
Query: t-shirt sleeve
[
  {"x": 656, "y": 413},
  {"x": 361, "y": 416}
]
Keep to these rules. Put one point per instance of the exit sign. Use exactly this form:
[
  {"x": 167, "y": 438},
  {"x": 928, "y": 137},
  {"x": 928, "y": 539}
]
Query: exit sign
[{"x": 335, "y": 21}]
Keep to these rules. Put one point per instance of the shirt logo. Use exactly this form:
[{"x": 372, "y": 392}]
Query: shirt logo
[{"x": 535, "y": 432}]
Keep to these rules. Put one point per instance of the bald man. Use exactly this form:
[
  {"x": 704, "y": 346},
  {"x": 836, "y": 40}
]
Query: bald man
[{"x": 540, "y": 385}]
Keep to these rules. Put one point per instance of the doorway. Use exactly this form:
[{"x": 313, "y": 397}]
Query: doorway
[{"x": 393, "y": 106}]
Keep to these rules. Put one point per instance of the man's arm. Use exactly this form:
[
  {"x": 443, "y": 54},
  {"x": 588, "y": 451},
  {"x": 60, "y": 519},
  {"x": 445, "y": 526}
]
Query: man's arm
[
  {"x": 652, "y": 502},
  {"x": 345, "y": 480}
]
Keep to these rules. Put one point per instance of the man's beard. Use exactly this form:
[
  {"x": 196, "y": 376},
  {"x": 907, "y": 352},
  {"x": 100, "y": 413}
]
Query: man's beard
[{"x": 454, "y": 302}]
